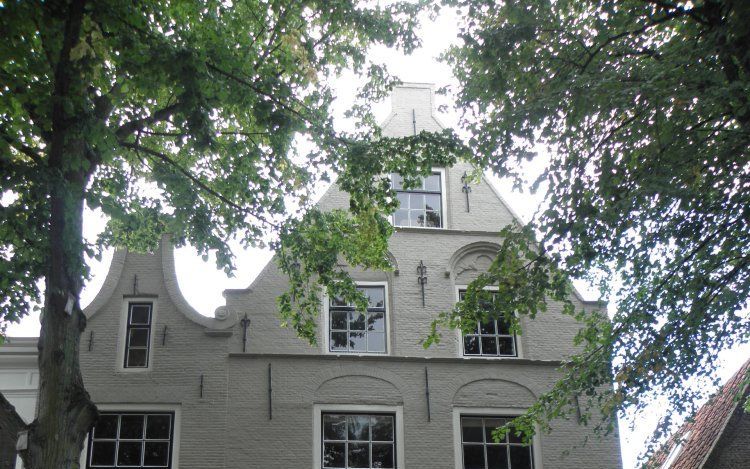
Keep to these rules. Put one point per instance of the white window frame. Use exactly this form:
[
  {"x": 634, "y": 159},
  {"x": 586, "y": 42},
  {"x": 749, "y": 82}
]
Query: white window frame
[
  {"x": 123, "y": 333},
  {"x": 458, "y": 412},
  {"x": 147, "y": 408},
  {"x": 443, "y": 202},
  {"x": 327, "y": 324},
  {"x": 320, "y": 409},
  {"x": 460, "y": 335}
]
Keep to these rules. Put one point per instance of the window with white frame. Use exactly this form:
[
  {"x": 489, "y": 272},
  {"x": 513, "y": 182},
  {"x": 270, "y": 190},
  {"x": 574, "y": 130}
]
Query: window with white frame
[
  {"x": 420, "y": 206},
  {"x": 352, "y": 440},
  {"x": 131, "y": 439},
  {"x": 481, "y": 451},
  {"x": 358, "y": 331},
  {"x": 138, "y": 335},
  {"x": 491, "y": 338}
]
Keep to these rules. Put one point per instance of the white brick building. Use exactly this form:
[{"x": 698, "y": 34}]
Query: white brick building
[{"x": 182, "y": 393}]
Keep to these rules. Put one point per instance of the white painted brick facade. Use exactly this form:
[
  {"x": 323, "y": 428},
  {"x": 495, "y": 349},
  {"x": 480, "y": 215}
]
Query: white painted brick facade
[{"x": 229, "y": 427}]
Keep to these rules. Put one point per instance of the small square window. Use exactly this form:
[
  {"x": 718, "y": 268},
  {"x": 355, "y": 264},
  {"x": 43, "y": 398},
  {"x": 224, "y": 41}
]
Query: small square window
[
  {"x": 481, "y": 451},
  {"x": 358, "y": 441},
  {"x": 420, "y": 206},
  {"x": 355, "y": 331},
  {"x": 132, "y": 440},
  {"x": 490, "y": 338}
]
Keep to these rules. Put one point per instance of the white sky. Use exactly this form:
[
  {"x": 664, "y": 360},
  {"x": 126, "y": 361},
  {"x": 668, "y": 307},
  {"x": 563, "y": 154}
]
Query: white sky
[{"x": 202, "y": 284}]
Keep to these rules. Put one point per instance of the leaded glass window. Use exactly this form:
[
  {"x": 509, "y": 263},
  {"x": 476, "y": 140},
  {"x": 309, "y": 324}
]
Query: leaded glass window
[
  {"x": 358, "y": 441},
  {"x": 358, "y": 331},
  {"x": 480, "y": 451},
  {"x": 420, "y": 206},
  {"x": 490, "y": 338},
  {"x": 133, "y": 440}
]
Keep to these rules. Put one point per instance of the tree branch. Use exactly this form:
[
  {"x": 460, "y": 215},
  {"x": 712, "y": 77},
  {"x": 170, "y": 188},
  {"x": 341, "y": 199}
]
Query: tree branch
[
  {"x": 157, "y": 116},
  {"x": 10, "y": 424},
  {"x": 635, "y": 32},
  {"x": 25, "y": 149},
  {"x": 195, "y": 180}
]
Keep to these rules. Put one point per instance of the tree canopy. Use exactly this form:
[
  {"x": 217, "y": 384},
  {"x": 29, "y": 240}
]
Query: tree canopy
[
  {"x": 644, "y": 106},
  {"x": 207, "y": 120}
]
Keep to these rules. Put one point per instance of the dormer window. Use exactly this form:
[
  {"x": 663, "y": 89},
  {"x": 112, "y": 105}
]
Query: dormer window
[{"x": 420, "y": 206}]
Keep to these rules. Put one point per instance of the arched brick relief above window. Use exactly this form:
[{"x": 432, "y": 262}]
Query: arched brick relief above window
[{"x": 471, "y": 260}]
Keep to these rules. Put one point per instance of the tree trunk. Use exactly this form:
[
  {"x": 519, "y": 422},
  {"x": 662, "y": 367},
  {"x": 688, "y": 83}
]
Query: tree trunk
[{"x": 65, "y": 414}]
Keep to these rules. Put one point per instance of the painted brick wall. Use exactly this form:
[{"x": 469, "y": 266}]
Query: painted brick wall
[{"x": 229, "y": 426}]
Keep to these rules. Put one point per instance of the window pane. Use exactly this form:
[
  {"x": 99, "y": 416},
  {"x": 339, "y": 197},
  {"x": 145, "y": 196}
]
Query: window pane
[
  {"x": 382, "y": 455},
  {"x": 497, "y": 457},
  {"x": 157, "y": 426},
  {"x": 489, "y": 426},
  {"x": 357, "y": 321},
  {"x": 137, "y": 357},
  {"x": 432, "y": 183},
  {"x": 416, "y": 201},
  {"x": 334, "y": 427},
  {"x": 401, "y": 218},
  {"x": 397, "y": 181},
  {"x": 376, "y": 342},
  {"x": 140, "y": 314},
  {"x": 433, "y": 220},
  {"x": 520, "y": 457},
  {"x": 403, "y": 199},
  {"x": 471, "y": 429},
  {"x": 376, "y": 296},
  {"x": 503, "y": 327},
  {"x": 334, "y": 455},
  {"x": 103, "y": 453},
  {"x": 129, "y": 453},
  {"x": 514, "y": 437},
  {"x": 474, "y": 457},
  {"x": 471, "y": 345},
  {"x": 489, "y": 345},
  {"x": 106, "y": 426},
  {"x": 131, "y": 426},
  {"x": 376, "y": 322},
  {"x": 487, "y": 327},
  {"x": 338, "y": 341},
  {"x": 156, "y": 454},
  {"x": 359, "y": 455},
  {"x": 138, "y": 337},
  {"x": 506, "y": 346},
  {"x": 338, "y": 320},
  {"x": 359, "y": 427},
  {"x": 357, "y": 342},
  {"x": 382, "y": 428},
  {"x": 432, "y": 202},
  {"x": 416, "y": 218}
]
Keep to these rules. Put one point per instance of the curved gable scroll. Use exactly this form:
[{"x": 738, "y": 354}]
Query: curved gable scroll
[
  {"x": 222, "y": 319},
  {"x": 475, "y": 257}
]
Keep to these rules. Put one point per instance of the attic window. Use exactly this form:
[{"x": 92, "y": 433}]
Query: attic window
[
  {"x": 420, "y": 206},
  {"x": 138, "y": 335}
]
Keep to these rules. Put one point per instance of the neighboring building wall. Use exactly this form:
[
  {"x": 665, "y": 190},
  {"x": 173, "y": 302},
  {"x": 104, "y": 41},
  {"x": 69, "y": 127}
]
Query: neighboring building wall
[
  {"x": 19, "y": 381},
  {"x": 732, "y": 451}
]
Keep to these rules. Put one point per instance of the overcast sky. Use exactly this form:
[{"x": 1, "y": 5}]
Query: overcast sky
[{"x": 202, "y": 284}]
